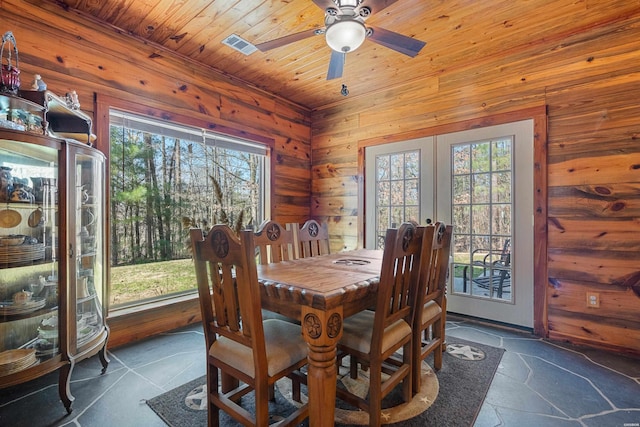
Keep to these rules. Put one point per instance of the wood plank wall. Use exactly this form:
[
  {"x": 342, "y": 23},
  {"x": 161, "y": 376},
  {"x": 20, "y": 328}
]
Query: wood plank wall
[
  {"x": 72, "y": 54},
  {"x": 590, "y": 81}
]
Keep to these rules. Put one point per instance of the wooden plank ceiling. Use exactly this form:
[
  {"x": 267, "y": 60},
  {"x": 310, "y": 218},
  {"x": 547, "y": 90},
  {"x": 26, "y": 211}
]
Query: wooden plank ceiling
[{"x": 457, "y": 32}]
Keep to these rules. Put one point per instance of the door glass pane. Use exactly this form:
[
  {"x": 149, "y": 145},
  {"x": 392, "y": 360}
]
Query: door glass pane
[
  {"x": 481, "y": 187},
  {"x": 382, "y": 168},
  {"x": 461, "y": 159},
  {"x": 501, "y": 186},
  {"x": 482, "y": 216},
  {"x": 397, "y": 191},
  {"x": 411, "y": 192}
]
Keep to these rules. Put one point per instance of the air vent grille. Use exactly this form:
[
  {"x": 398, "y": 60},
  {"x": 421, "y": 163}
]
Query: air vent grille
[{"x": 239, "y": 44}]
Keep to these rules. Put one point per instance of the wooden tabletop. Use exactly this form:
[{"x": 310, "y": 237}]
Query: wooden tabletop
[{"x": 348, "y": 279}]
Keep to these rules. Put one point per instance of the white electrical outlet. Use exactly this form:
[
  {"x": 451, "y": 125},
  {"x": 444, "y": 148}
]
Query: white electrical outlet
[{"x": 593, "y": 299}]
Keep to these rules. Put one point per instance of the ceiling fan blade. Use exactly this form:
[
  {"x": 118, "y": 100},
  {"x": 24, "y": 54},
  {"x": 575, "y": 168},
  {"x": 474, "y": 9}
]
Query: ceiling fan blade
[
  {"x": 325, "y": 4},
  {"x": 403, "y": 44},
  {"x": 336, "y": 65},
  {"x": 377, "y": 5},
  {"x": 272, "y": 44}
]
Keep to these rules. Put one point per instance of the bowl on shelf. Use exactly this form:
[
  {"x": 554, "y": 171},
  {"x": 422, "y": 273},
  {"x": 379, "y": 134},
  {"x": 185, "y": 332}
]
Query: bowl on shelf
[{"x": 12, "y": 240}]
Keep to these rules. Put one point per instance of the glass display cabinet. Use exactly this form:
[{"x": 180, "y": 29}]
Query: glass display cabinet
[{"x": 52, "y": 255}]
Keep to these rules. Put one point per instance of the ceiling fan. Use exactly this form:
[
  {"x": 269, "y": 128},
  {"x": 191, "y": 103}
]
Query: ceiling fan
[{"x": 345, "y": 31}]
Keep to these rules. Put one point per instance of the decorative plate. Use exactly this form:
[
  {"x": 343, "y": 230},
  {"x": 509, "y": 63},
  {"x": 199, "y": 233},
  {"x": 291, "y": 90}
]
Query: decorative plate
[{"x": 9, "y": 218}]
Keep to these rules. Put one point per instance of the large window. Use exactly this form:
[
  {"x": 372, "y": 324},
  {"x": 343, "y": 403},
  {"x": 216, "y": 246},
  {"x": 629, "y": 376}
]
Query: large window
[{"x": 164, "y": 179}]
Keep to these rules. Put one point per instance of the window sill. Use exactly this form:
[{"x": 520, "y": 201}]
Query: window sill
[{"x": 131, "y": 324}]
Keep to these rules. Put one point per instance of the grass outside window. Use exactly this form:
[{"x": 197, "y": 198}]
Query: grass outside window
[{"x": 143, "y": 282}]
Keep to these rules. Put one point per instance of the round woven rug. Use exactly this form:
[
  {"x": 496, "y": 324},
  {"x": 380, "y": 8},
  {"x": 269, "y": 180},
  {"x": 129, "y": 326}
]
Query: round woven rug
[
  {"x": 453, "y": 397},
  {"x": 402, "y": 411}
]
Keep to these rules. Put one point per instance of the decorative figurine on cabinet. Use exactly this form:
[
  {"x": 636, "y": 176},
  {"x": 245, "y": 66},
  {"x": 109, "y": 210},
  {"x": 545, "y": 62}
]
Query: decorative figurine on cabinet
[
  {"x": 72, "y": 101},
  {"x": 6, "y": 183},
  {"x": 38, "y": 83}
]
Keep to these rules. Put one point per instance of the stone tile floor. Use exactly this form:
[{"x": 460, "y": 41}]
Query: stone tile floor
[
  {"x": 538, "y": 383},
  {"x": 541, "y": 383}
]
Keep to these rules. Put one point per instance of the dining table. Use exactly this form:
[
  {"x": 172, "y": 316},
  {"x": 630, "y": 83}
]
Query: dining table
[{"x": 320, "y": 292}]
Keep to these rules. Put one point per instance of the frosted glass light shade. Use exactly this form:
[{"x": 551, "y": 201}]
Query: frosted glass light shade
[{"x": 345, "y": 36}]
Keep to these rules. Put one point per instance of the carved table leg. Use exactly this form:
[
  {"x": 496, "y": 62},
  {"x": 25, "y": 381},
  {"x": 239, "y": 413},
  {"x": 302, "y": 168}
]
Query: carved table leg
[{"x": 321, "y": 330}]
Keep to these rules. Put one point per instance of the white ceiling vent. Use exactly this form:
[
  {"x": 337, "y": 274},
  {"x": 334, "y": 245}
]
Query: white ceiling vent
[{"x": 239, "y": 44}]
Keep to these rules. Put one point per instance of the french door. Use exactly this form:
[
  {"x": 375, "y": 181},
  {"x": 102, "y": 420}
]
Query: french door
[{"x": 481, "y": 181}]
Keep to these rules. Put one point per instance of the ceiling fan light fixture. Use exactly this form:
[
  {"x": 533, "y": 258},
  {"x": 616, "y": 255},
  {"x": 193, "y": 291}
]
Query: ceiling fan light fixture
[
  {"x": 345, "y": 35},
  {"x": 349, "y": 3}
]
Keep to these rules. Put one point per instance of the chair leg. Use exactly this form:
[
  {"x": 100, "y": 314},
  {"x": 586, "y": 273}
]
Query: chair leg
[
  {"x": 353, "y": 368},
  {"x": 375, "y": 397},
  {"x": 272, "y": 393},
  {"x": 213, "y": 413},
  {"x": 407, "y": 387},
  {"x": 262, "y": 404},
  {"x": 295, "y": 391},
  {"x": 416, "y": 355},
  {"x": 437, "y": 352}
]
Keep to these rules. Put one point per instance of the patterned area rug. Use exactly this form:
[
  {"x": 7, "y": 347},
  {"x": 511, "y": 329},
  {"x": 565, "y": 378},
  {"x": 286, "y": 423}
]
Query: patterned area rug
[{"x": 452, "y": 396}]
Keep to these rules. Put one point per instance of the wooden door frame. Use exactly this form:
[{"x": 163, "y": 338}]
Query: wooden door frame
[{"x": 539, "y": 116}]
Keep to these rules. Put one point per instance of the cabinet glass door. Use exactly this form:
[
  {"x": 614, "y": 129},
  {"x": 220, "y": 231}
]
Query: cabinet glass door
[
  {"x": 29, "y": 252},
  {"x": 89, "y": 268}
]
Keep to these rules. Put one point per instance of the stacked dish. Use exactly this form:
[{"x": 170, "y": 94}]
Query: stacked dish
[
  {"x": 11, "y": 308},
  {"x": 12, "y": 361},
  {"x": 44, "y": 347},
  {"x": 23, "y": 253}
]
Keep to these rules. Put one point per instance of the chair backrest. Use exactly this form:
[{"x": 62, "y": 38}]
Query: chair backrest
[
  {"x": 313, "y": 239},
  {"x": 399, "y": 279},
  {"x": 273, "y": 242},
  {"x": 228, "y": 288},
  {"x": 433, "y": 280}
]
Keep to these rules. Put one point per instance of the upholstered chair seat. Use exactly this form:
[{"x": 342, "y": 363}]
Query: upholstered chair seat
[{"x": 283, "y": 344}]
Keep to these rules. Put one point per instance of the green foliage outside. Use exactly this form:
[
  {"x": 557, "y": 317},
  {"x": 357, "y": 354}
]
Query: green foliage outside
[{"x": 162, "y": 185}]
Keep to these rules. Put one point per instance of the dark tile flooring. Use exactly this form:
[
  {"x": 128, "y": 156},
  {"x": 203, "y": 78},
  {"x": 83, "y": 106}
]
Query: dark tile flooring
[{"x": 538, "y": 383}]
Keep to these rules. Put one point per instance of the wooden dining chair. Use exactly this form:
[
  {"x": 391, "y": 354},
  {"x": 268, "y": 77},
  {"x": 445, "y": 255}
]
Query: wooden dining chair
[
  {"x": 431, "y": 309},
  {"x": 250, "y": 354},
  {"x": 274, "y": 243},
  {"x": 313, "y": 239},
  {"x": 372, "y": 337}
]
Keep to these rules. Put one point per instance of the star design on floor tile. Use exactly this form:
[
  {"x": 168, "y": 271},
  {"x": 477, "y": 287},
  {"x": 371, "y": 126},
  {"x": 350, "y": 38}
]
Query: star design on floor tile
[
  {"x": 197, "y": 398},
  {"x": 465, "y": 352}
]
